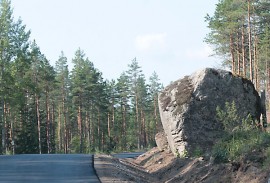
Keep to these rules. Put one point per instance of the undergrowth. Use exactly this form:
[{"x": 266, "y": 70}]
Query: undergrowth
[{"x": 241, "y": 137}]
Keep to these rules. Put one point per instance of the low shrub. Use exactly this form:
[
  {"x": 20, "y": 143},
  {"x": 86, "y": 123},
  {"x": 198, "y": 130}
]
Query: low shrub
[
  {"x": 197, "y": 152},
  {"x": 239, "y": 139}
]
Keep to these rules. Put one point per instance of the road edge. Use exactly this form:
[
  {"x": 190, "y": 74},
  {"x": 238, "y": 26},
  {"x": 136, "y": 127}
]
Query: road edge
[
  {"x": 107, "y": 170},
  {"x": 93, "y": 165}
]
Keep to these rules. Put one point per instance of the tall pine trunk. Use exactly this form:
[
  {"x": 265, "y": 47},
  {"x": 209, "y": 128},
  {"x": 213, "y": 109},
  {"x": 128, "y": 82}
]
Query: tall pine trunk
[
  {"x": 53, "y": 127},
  {"x": 79, "y": 120},
  {"x": 137, "y": 121},
  {"x": 48, "y": 123},
  {"x": 155, "y": 117},
  {"x": 143, "y": 129},
  {"x": 256, "y": 76},
  {"x": 99, "y": 130},
  {"x": 38, "y": 123},
  {"x": 243, "y": 53},
  {"x": 232, "y": 53},
  {"x": 250, "y": 44},
  {"x": 238, "y": 56},
  {"x": 59, "y": 130},
  {"x": 65, "y": 125},
  {"x": 123, "y": 130},
  {"x": 109, "y": 125}
]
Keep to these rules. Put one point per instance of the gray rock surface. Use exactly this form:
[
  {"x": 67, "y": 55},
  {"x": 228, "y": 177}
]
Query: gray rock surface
[
  {"x": 162, "y": 142},
  {"x": 188, "y": 107}
]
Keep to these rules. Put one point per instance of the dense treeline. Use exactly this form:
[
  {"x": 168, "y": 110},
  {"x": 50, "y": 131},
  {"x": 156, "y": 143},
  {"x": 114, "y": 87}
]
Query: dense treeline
[
  {"x": 240, "y": 33},
  {"x": 46, "y": 109}
]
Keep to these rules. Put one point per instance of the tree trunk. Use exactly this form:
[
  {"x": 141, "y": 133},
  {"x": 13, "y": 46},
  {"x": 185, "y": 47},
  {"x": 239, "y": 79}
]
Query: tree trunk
[
  {"x": 137, "y": 121},
  {"x": 143, "y": 129},
  {"x": 65, "y": 122},
  {"x": 123, "y": 129},
  {"x": 109, "y": 126},
  {"x": 238, "y": 56},
  {"x": 243, "y": 53},
  {"x": 79, "y": 117},
  {"x": 113, "y": 125},
  {"x": 102, "y": 141},
  {"x": 38, "y": 123},
  {"x": 59, "y": 132},
  {"x": 99, "y": 129},
  {"x": 232, "y": 53},
  {"x": 88, "y": 124},
  {"x": 92, "y": 129},
  {"x": 249, "y": 44},
  {"x": 12, "y": 135},
  {"x": 48, "y": 123},
  {"x": 53, "y": 127},
  {"x": 6, "y": 126},
  {"x": 155, "y": 116},
  {"x": 256, "y": 76},
  {"x": 3, "y": 127}
]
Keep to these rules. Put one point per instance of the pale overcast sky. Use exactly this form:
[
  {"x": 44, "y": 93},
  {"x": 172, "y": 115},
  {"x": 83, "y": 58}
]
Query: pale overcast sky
[{"x": 166, "y": 36}]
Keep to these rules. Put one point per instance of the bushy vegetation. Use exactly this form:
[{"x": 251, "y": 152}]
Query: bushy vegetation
[
  {"x": 198, "y": 152},
  {"x": 239, "y": 139}
]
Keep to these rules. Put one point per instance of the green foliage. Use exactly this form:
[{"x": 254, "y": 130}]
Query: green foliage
[
  {"x": 185, "y": 154},
  {"x": 266, "y": 163},
  {"x": 240, "y": 144},
  {"x": 241, "y": 138},
  {"x": 220, "y": 153},
  {"x": 75, "y": 144},
  {"x": 177, "y": 154},
  {"x": 197, "y": 152},
  {"x": 228, "y": 116}
]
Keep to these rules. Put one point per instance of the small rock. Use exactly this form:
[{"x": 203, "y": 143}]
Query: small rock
[
  {"x": 161, "y": 141},
  {"x": 201, "y": 158}
]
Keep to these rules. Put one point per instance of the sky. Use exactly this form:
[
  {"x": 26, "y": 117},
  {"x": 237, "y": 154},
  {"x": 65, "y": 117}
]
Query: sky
[{"x": 165, "y": 36}]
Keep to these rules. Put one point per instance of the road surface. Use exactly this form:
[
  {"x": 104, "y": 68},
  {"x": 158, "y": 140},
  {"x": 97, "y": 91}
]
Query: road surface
[{"x": 51, "y": 168}]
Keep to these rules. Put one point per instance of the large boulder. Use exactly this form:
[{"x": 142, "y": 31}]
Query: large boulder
[{"x": 188, "y": 107}]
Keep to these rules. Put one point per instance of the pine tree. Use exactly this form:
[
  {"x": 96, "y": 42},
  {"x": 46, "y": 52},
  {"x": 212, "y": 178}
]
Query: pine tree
[
  {"x": 88, "y": 97},
  {"x": 13, "y": 47},
  {"x": 134, "y": 73},
  {"x": 123, "y": 91},
  {"x": 78, "y": 79},
  {"x": 235, "y": 29},
  {"x": 62, "y": 92},
  {"x": 155, "y": 88}
]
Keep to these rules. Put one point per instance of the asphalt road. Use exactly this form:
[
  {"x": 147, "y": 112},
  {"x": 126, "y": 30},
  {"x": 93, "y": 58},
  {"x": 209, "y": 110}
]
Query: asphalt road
[{"x": 74, "y": 168}]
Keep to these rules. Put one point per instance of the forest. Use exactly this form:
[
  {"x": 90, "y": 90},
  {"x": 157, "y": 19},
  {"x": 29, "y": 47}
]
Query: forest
[
  {"x": 240, "y": 35},
  {"x": 51, "y": 109}
]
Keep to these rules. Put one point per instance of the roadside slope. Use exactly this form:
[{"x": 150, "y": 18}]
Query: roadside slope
[{"x": 155, "y": 167}]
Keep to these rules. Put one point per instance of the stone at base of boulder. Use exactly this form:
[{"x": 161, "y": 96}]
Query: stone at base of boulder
[{"x": 162, "y": 142}]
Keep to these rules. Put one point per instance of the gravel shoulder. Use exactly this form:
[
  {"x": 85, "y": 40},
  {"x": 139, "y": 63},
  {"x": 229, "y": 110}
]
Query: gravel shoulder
[{"x": 113, "y": 170}]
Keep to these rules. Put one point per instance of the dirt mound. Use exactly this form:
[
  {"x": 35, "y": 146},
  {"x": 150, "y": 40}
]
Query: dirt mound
[{"x": 164, "y": 167}]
